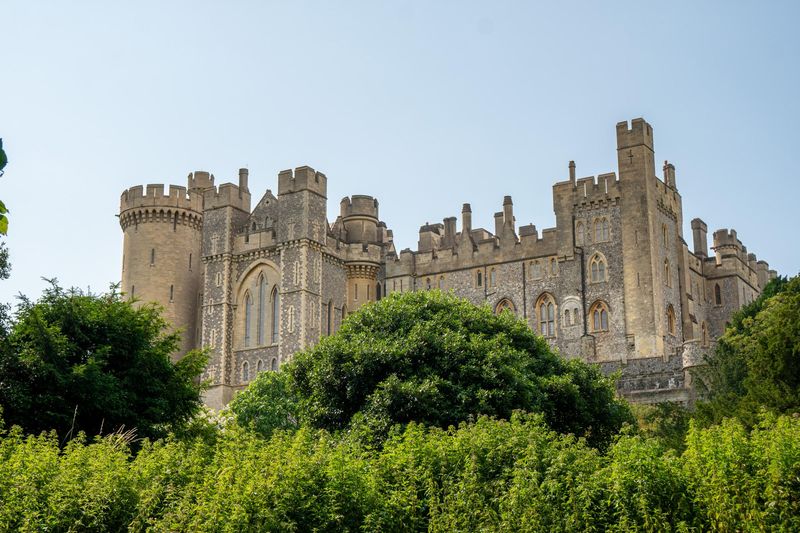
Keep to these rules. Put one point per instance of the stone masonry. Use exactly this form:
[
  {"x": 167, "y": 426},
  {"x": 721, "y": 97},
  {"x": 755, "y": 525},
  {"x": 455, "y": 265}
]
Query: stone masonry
[{"x": 614, "y": 283}]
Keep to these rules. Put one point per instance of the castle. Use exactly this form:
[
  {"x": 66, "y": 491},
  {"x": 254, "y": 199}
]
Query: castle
[{"x": 614, "y": 283}]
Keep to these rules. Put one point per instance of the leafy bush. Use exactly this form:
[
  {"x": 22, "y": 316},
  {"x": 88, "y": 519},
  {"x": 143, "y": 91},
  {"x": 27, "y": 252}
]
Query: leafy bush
[{"x": 487, "y": 475}]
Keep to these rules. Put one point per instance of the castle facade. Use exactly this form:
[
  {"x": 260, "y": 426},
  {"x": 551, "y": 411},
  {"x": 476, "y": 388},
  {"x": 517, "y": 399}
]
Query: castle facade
[{"x": 614, "y": 283}]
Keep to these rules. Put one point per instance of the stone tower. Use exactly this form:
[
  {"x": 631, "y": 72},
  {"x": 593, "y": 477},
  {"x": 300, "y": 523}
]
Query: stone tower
[{"x": 161, "y": 250}]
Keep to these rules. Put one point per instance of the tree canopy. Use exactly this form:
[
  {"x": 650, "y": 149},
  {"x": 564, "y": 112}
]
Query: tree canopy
[
  {"x": 756, "y": 363},
  {"x": 94, "y": 363},
  {"x": 435, "y": 359}
]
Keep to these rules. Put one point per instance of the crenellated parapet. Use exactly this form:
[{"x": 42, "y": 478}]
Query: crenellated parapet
[
  {"x": 359, "y": 216},
  {"x": 302, "y": 179},
  {"x": 139, "y": 205},
  {"x": 227, "y": 195}
]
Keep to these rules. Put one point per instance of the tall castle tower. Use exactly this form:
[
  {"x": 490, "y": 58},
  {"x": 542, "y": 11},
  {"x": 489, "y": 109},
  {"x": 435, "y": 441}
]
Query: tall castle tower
[{"x": 161, "y": 250}]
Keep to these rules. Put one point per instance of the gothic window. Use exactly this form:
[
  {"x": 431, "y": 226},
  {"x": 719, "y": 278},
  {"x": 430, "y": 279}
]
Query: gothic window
[
  {"x": 546, "y": 308},
  {"x": 575, "y": 317},
  {"x": 667, "y": 274},
  {"x": 248, "y": 317},
  {"x": 262, "y": 309},
  {"x": 599, "y": 314},
  {"x": 553, "y": 266},
  {"x": 601, "y": 230},
  {"x": 245, "y": 372},
  {"x": 492, "y": 279},
  {"x": 275, "y": 299},
  {"x": 567, "y": 318},
  {"x": 502, "y": 305},
  {"x": 597, "y": 265},
  {"x": 717, "y": 294},
  {"x": 274, "y": 365},
  {"x": 259, "y": 367},
  {"x": 671, "y": 320},
  {"x": 580, "y": 234},
  {"x": 479, "y": 278},
  {"x": 329, "y": 316}
]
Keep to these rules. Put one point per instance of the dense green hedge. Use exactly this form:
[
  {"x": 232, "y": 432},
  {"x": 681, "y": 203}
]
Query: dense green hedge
[{"x": 489, "y": 475}]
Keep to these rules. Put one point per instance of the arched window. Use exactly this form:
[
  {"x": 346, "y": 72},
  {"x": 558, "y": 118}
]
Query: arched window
[
  {"x": 441, "y": 283},
  {"x": 601, "y": 229},
  {"x": 502, "y": 305},
  {"x": 597, "y": 265},
  {"x": 567, "y": 318},
  {"x": 275, "y": 299},
  {"x": 546, "y": 308},
  {"x": 580, "y": 234},
  {"x": 262, "y": 308},
  {"x": 329, "y": 316},
  {"x": 492, "y": 279},
  {"x": 428, "y": 284},
  {"x": 553, "y": 266},
  {"x": 667, "y": 274},
  {"x": 599, "y": 314},
  {"x": 274, "y": 365},
  {"x": 248, "y": 317},
  {"x": 536, "y": 270},
  {"x": 245, "y": 372},
  {"x": 259, "y": 367},
  {"x": 378, "y": 291},
  {"x": 575, "y": 317},
  {"x": 717, "y": 294},
  {"x": 671, "y": 320}
]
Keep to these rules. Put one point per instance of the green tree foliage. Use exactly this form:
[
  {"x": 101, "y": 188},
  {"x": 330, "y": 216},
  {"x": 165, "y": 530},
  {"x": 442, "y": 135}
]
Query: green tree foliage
[
  {"x": 756, "y": 363},
  {"x": 490, "y": 475},
  {"x": 435, "y": 359},
  {"x": 267, "y": 404},
  {"x": 94, "y": 363}
]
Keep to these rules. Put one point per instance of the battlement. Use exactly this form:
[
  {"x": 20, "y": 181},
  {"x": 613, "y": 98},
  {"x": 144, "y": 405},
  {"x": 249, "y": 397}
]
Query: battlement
[
  {"x": 587, "y": 190},
  {"x": 154, "y": 196},
  {"x": 227, "y": 195},
  {"x": 302, "y": 179},
  {"x": 359, "y": 205},
  {"x": 639, "y": 133},
  {"x": 200, "y": 180},
  {"x": 725, "y": 239}
]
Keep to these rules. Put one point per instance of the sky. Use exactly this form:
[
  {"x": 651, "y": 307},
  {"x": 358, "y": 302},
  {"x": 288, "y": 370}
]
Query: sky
[{"x": 424, "y": 105}]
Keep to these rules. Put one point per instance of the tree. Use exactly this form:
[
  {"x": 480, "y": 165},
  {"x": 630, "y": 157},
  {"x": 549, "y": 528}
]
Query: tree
[
  {"x": 436, "y": 359},
  {"x": 268, "y": 404},
  {"x": 94, "y": 363},
  {"x": 756, "y": 363}
]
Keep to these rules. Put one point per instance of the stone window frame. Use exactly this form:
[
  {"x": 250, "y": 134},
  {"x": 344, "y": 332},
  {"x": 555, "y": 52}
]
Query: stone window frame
[
  {"x": 245, "y": 372},
  {"x": 260, "y": 284},
  {"x": 440, "y": 283},
  {"x": 491, "y": 278},
  {"x": 672, "y": 327},
  {"x": 601, "y": 262},
  {"x": 547, "y": 325},
  {"x": 717, "y": 295},
  {"x": 274, "y": 364},
  {"x": 503, "y": 304},
  {"x": 553, "y": 267},
  {"x": 604, "y": 233},
  {"x": 600, "y": 315},
  {"x": 580, "y": 233},
  {"x": 248, "y": 316},
  {"x": 259, "y": 367},
  {"x": 704, "y": 334},
  {"x": 479, "y": 278},
  {"x": 571, "y": 309}
]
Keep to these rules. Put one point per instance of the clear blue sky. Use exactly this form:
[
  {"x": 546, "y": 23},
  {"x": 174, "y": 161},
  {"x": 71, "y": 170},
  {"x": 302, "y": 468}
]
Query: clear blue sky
[{"x": 425, "y": 105}]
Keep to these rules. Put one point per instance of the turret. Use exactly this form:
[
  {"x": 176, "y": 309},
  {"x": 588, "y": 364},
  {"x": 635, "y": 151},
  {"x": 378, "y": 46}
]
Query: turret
[
  {"x": 161, "y": 250},
  {"x": 360, "y": 218}
]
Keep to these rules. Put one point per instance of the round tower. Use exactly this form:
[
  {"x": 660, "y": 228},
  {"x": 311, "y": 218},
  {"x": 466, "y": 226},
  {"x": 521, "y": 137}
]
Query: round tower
[
  {"x": 363, "y": 259},
  {"x": 161, "y": 251}
]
